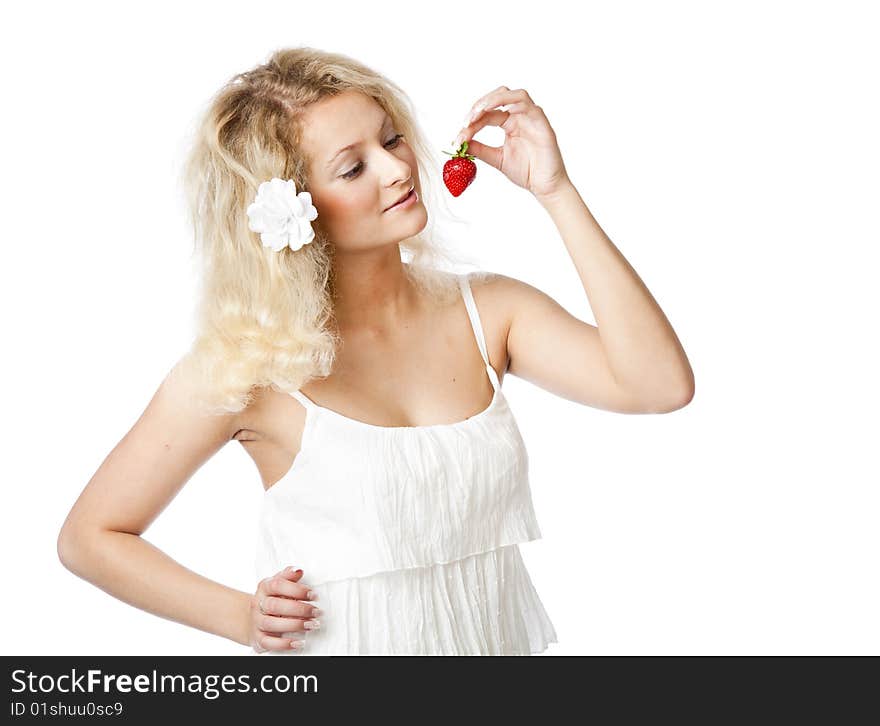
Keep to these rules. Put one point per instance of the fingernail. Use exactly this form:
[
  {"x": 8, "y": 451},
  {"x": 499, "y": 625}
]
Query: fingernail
[
  {"x": 311, "y": 624},
  {"x": 316, "y": 612},
  {"x": 312, "y": 595},
  {"x": 296, "y": 644},
  {"x": 458, "y": 140}
]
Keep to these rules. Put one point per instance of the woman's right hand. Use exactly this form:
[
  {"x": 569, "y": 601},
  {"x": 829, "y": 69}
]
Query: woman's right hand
[{"x": 278, "y": 608}]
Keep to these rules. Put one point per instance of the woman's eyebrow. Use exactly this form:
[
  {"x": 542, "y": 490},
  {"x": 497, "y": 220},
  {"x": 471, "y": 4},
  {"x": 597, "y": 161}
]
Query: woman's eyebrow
[{"x": 356, "y": 143}]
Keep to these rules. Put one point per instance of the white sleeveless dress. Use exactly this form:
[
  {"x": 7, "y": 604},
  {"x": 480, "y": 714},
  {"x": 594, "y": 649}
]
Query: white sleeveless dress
[{"x": 409, "y": 534}]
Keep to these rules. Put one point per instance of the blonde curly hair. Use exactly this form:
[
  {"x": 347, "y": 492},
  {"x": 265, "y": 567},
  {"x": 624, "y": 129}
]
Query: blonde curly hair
[{"x": 265, "y": 318}]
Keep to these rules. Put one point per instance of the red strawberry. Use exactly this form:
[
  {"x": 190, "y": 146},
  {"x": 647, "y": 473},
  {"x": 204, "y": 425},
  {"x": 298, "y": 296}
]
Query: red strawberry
[{"x": 460, "y": 170}]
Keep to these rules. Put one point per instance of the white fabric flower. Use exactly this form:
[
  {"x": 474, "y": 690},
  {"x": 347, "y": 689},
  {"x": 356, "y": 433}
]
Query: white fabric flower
[{"x": 281, "y": 216}]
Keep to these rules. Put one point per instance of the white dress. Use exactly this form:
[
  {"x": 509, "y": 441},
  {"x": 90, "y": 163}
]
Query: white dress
[{"x": 409, "y": 534}]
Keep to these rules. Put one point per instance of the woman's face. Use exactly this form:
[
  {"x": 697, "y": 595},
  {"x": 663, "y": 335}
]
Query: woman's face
[{"x": 352, "y": 188}]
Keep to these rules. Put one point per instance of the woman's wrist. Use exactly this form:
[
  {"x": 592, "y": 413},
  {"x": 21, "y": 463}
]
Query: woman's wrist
[{"x": 240, "y": 620}]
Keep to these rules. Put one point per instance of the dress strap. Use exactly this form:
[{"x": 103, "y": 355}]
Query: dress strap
[
  {"x": 307, "y": 402},
  {"x": 477, "y": 325}
]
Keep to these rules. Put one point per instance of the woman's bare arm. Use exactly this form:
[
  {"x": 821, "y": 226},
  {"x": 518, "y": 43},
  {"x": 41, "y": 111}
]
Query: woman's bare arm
[{"x": 101, "y": 540}]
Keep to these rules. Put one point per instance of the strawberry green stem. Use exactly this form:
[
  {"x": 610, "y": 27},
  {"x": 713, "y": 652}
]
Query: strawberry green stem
[{"x": 461, "y": 153}]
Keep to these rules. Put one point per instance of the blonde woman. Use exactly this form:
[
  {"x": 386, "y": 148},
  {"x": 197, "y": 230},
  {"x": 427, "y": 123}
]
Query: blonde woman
[{"x": 366, "y": 388}]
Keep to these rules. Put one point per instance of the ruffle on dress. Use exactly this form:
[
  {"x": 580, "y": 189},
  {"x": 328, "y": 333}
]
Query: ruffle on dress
[
  {"x": 356, "y": 502},
  {"x": 484, "y": 604}
]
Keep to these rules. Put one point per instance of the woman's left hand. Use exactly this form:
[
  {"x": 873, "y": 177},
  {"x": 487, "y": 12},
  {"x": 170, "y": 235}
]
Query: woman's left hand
[{"x": 530, "y": 156}]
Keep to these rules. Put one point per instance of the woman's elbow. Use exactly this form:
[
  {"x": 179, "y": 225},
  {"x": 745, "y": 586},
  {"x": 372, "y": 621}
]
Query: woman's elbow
[
  {"x": 72, "y": 546},
  {"x": 65, "y": 546}
]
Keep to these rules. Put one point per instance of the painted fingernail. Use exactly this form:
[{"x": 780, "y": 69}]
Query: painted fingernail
[
  {"x": 312, "y": 624},
  {"x": 311, "y": 595},
  {"x": 296, "y": 644},
  {"x": 316, "y": 612}
]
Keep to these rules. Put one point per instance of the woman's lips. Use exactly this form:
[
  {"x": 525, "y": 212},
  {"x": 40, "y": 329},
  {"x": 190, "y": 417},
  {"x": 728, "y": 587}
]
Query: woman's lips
[{"x": 402, "y": 201}]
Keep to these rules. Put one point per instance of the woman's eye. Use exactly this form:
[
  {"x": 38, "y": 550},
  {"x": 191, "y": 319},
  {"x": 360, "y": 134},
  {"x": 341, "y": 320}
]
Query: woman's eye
[{"x": 395, "y": 140}]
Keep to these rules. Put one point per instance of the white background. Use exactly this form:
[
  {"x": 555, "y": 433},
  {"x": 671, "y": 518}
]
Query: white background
[{"x": 729, "y": 150}]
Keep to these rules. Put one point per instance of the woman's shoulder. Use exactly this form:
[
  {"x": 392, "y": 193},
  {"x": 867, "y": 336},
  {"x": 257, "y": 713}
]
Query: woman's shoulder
[{"x": 492, "y": 291}]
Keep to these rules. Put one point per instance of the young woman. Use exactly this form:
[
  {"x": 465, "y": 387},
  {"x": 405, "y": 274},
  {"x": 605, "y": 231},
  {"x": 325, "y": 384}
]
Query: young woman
[{"x": 366, "y": 388}]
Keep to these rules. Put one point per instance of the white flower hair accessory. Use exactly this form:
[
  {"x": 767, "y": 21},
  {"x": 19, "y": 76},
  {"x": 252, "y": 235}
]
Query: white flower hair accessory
[{"x": 281, "y": 216}]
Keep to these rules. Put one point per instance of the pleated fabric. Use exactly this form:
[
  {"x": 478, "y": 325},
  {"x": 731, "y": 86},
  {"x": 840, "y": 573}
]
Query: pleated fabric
[{"x": 409, "y": 534}]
